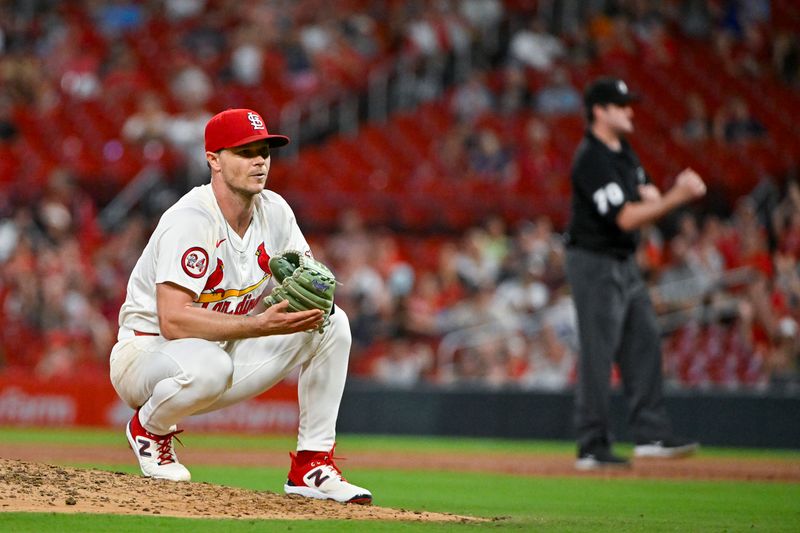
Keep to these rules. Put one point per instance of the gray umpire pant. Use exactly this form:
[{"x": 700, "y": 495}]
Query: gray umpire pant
[{"x": 616, "y": 323}]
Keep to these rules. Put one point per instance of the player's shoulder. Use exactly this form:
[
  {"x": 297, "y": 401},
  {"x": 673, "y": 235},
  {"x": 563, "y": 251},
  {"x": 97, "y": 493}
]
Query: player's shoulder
[
  {"x": 590, "y": 158},
  {"x": 590, "y": 148},
  {"x": 273, "y": 203},
  {"x": 270, "y": 197},
  {"x": 196, "y": 206}
]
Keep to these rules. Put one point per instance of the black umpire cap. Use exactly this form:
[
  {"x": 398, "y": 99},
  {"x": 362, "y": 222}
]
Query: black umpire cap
[{"x": 604, "y": 91}]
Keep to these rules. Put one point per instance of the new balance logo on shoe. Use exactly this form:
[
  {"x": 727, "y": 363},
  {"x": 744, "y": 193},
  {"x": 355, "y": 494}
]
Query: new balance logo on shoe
[
  {"x": 317, "y": 476},
  {"x": 144, "y": 445}
]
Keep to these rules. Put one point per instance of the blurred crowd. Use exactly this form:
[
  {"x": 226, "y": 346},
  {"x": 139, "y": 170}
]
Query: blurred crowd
[
  {"x": 126, "y": 82},
  {"x": 488, "y": 308},
  {"x": 123, "y": 83},
  {"x": 534, "y": 74},
  {"x": 88, "y": 87},
  {"x": 491, "y": 307}
]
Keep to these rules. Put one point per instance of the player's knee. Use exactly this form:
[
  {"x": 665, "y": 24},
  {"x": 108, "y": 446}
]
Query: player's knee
[
  {"x": 211, "y": 375},
  {"x": 216, "y": 378},
  {"x": 340, "y": 330}
]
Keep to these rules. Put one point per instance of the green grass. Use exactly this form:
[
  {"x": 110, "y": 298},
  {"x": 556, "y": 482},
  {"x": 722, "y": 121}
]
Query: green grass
[
  {"x": 29, "y": 523},
  {"x": 522, "y": 503},
  {"x": 577, "y": 504}
]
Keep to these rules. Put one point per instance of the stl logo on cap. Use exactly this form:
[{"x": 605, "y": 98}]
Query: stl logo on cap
[
  {"x": 622, "y": 87},
  {"x": 256, "y": 121},
  {"x": 237, "y": 127}
]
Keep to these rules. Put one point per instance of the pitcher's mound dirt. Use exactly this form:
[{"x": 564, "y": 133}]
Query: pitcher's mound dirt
[{"x": 37, "y": 487}]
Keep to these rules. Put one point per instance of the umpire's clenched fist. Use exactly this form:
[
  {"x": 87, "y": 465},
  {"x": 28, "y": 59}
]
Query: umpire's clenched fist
[{"x": 690, "y": 184}]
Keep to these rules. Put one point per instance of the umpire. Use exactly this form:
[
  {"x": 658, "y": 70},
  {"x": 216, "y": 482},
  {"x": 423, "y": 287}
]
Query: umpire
[{"x": 612, "y": 197}]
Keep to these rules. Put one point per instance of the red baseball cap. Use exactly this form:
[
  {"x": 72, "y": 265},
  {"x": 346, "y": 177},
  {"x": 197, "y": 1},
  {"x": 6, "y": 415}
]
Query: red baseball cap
[{"x": 235, "y": 127}]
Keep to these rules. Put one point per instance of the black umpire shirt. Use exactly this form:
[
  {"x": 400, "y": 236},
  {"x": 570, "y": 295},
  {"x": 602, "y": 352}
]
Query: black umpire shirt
[{"x": 602, "y": 181}]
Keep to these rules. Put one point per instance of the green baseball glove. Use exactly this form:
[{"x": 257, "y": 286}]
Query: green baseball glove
[{"x": 305, "y": 282}]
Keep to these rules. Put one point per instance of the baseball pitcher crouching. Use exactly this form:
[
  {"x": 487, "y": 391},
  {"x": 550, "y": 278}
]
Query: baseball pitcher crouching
[{"x": 202, "y": 326}]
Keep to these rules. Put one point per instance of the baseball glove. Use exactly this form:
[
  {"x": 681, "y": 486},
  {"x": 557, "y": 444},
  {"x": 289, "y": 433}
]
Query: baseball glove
[{"x": 305, "y": 282}]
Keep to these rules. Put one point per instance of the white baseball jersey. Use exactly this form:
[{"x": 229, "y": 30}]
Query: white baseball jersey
[{"x": 194, "y": 247}]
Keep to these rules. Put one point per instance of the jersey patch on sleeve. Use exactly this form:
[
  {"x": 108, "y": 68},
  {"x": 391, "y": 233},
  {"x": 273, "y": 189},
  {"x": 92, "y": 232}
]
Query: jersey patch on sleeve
[{"x": 195, "y": 262}]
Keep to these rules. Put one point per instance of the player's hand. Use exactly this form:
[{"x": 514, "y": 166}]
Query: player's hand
[
  {"x": 649, "y": 192},
  {"x": 690, "y": 185},
  {"x": 277, "y": 320}
]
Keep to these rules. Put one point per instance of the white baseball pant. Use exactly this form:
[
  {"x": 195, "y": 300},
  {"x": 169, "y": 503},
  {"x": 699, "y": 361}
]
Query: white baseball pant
[{"x": 173, "y": 379}]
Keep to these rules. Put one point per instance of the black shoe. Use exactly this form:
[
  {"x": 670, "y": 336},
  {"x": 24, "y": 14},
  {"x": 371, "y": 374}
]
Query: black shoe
[
  {"x": 669, "y": 448},
  {"x": 600, "y": 458}
]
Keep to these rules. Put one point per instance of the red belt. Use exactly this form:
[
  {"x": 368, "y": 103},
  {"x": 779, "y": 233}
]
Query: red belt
[{"x": 143, "y": 334}]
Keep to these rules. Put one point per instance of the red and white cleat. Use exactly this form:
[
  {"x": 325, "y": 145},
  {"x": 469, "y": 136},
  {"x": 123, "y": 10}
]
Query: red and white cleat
[
  {"x": 320, "y": 478},
  {"x": 155, "y": 453}
]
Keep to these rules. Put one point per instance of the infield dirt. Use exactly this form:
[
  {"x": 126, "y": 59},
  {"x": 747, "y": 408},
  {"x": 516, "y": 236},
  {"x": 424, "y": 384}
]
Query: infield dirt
[{"x": 38, "y": 487}]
